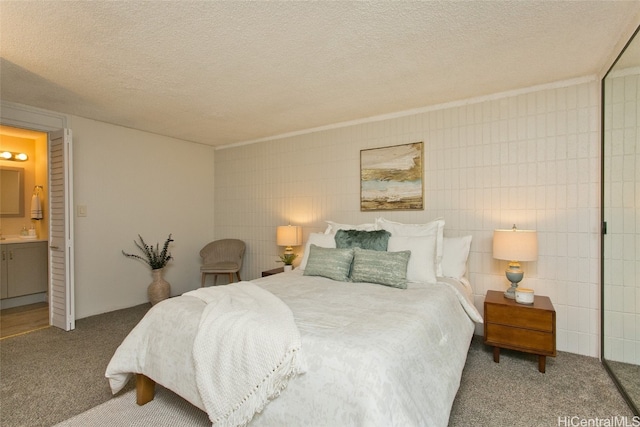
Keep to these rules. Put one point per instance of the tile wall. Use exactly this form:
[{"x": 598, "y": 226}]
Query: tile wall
[
  {"x": 621, "y": 201},
  {"x": 530, "y": 157}
]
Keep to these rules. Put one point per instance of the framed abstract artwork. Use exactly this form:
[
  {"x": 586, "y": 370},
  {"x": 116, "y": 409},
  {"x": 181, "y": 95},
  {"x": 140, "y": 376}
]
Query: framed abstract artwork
[{"x": 391, "y": 178}]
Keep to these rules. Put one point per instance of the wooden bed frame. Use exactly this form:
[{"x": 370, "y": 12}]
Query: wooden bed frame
[{"x": 145, "y": 389}]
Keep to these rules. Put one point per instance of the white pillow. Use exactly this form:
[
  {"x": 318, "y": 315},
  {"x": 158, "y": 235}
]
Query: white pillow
[
  {"x": 319, "y": 239},
  {"x": 399, "y": 229},
  {"x": 333, "y": 227},
  {"x": 422, "y": 262},
  {"x": 454, "y": 256}
]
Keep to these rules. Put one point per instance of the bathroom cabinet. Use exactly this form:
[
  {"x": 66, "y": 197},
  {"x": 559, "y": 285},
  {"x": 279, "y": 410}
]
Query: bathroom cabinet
[{"x": 23, "y": 269}]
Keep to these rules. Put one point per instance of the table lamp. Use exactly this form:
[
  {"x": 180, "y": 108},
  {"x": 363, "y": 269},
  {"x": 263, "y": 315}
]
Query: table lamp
[
  {"x": 288, "y": 236},
  {"x": 514, "y": 246}
]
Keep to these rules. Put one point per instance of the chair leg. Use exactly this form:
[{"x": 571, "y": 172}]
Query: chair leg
[{"x": 215, "y": 278}]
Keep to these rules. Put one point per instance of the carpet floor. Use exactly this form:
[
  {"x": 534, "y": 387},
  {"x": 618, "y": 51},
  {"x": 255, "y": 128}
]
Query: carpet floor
[
  {"x": 629, "y": 377},
  {"x": 50, "y": 376},
  {"x": 512, "y": 393}
]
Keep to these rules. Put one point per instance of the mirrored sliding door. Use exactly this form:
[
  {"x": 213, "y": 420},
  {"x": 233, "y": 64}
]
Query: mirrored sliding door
[{"x": 621, "y": 222}]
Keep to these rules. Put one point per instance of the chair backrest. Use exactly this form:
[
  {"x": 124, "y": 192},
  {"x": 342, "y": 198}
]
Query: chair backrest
[{"x": 224, "y": 250}]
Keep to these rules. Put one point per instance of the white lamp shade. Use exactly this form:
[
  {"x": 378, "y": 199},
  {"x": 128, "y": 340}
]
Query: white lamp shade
[
  {"x": 515, "y": 245},
  {"x": 289, "y": 235}
]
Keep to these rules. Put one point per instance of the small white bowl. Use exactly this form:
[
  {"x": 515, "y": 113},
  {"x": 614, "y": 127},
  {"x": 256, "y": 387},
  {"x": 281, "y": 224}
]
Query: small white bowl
[{"x": 524, "y": 296}]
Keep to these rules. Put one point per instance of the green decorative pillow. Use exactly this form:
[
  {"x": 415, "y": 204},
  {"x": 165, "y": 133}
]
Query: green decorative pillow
[
  {"x": 372, "y": 240},
  {"x": 384, "y": 268},
  {"x": 329, "y": 262}
]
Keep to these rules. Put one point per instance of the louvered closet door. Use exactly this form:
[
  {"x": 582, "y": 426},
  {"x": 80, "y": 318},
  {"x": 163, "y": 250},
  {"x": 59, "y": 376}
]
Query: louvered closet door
[{"x": 61, "y": 286}]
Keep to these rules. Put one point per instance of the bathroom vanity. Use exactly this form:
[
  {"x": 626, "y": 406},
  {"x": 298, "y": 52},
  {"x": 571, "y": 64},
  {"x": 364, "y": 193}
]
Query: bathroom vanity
[{"x": 23, "y": 267}]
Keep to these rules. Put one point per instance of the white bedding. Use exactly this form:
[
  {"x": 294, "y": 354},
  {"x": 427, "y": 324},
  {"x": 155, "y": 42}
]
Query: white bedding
[
  {"x": 246, "y": 350},
  {"x": 376, "y": 356}
]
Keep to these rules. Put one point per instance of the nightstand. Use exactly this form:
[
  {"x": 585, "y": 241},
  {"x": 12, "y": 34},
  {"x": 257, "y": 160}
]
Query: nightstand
[
  {"x": 527, "y": 328},
  {"x": 272, "y": 271}
]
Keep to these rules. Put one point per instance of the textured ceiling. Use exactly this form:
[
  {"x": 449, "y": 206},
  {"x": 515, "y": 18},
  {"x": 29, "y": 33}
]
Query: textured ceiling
[
  {"x": 630, "y": 58},
  {"x": 221, "y": 73}
]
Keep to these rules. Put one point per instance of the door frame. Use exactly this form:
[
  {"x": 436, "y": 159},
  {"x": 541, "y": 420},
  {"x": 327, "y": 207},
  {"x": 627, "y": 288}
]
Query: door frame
[{"x": 35, "y": 119}]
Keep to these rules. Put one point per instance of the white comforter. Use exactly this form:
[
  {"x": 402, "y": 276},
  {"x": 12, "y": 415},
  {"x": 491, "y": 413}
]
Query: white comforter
[{"x": 376, "y": 356}]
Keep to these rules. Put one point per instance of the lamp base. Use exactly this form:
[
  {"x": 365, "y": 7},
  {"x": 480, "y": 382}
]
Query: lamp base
[
  {"x": 511, "y": 292},
  {"x": 514, "y": 274}
]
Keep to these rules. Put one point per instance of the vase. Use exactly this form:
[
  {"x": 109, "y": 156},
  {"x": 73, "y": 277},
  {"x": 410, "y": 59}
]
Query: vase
[
  {"x": 159, "y": 289},
  {"x": 288, "y": 267}
]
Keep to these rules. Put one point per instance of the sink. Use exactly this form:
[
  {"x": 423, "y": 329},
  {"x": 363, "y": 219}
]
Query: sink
[{"x": 13, "y": 239}]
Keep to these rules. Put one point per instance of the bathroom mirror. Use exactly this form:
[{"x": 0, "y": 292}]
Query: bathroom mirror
[
  {"x": 620, "y": 299},
  {"x": 11, "y": 192}
]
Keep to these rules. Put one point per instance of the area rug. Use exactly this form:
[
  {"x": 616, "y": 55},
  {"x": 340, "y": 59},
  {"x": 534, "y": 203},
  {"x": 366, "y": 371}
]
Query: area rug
[{"x": 166, "y": 409}]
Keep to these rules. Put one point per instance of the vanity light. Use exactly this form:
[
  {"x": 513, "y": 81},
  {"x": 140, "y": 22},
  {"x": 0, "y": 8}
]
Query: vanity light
[{"x": 16, "y": 157}]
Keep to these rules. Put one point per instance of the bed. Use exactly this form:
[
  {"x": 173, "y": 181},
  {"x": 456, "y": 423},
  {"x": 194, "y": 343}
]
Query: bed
[{"x": 364, "y": 354}]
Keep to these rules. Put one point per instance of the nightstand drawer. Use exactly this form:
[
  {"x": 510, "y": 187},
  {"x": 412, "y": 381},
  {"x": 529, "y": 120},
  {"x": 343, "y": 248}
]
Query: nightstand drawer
[
  {"x": 529, "y": 328},
  {"x": 520, "y": 339},
  {"x": 523, "y": 317}
]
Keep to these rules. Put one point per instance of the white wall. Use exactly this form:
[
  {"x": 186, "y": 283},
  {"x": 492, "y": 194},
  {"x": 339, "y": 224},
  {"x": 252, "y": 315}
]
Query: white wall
[
  {"x": 131, "y": 182},
  {"x": 530, "y": 158}
]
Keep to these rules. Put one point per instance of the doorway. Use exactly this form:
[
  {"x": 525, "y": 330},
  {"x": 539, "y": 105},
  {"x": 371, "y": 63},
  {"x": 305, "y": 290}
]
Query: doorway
[
  {"x": 60, "y": 227},
  {"x": 25, "y": 299}
]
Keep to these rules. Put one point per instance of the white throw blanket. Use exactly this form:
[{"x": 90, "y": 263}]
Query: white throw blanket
[{"x": 245, "y": 351}]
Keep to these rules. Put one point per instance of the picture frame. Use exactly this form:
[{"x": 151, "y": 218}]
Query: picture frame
[{"x": 391, "y": 178}]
